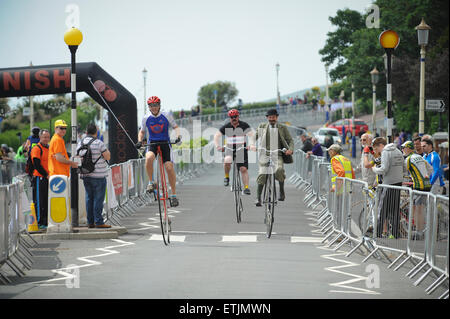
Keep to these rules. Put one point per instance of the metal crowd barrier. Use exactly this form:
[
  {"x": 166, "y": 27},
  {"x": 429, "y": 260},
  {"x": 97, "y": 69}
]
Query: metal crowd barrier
[
  {"x": 126, "y": 191},
  {"x": 14, "y": 247},
  {"x": 386, "y": 223}
]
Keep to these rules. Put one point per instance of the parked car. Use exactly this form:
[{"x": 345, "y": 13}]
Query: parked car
[
  {"x": 359, "y": 125},
  {"x": 321, "y": 133}
]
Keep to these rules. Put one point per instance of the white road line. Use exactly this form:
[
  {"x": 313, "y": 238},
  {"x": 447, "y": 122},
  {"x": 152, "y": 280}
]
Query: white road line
[
  {"x": 172, "y": 238},
  {"x": 297, "y": 239},
  {"x": 242, "y": 239},
  {"x": 255, "y": 232}
]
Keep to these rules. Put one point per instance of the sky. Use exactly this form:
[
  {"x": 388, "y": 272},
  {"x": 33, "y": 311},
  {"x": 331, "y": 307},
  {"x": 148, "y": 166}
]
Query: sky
[{"x": 183, "y": 44}]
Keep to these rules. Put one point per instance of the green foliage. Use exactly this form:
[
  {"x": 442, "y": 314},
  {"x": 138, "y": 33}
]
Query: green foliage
[
  {"x": 226, "y": 93},
  {"x": 353, "y": 50}
]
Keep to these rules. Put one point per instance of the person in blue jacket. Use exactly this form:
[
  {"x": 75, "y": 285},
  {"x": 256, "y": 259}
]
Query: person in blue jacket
[{"x": 433, "y": 158}]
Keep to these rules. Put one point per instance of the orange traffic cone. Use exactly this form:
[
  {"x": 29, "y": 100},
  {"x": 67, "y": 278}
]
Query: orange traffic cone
[{"x": 33, "y": 225}]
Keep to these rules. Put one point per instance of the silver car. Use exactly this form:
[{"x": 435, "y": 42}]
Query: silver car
[{"x": 321, "y": 133}]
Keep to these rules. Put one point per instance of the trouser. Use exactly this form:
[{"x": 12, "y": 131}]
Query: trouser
[
  {"x": 390, "y": 211},
  {"x": 40, "y": 199},
  {"x": 95, "y": 196}
]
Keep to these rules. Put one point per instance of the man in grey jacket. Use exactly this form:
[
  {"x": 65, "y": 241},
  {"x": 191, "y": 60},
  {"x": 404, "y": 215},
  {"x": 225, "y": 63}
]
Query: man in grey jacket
[{"x": 391, "y": 169}]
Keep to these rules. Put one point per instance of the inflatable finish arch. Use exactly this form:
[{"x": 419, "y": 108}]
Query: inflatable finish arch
[{"x": 55, "y": 79}]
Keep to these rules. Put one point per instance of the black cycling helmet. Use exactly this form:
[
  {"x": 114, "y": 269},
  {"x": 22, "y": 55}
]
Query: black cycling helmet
[{"x": 35, "y": 130}]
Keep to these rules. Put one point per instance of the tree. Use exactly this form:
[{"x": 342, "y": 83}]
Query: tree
[
  {"x": 226, "y": 93},
  {"x": 347, "y": 22}
]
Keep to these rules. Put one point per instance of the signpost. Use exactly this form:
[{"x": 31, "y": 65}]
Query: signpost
[{"x": 435, "y": 105}]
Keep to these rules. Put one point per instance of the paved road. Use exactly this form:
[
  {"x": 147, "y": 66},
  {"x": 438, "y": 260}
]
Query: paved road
[{"x": 211, "y": 256}]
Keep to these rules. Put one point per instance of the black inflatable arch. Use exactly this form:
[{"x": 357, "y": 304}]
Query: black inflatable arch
[{"x": 54, "y": 79}]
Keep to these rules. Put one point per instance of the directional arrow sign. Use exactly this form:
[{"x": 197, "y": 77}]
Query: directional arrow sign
[
  {"x": 57, "y": 185},
  {"x": 435, "y": 105}
]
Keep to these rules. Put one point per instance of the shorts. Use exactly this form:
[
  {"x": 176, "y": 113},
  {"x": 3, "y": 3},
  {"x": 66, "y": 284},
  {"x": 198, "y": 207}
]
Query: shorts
[
  {"x": 166, "y": 151},
  {"x": 240, "y": 162}
]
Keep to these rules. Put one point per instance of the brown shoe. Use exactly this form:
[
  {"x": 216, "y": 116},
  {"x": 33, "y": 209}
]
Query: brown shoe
[
  {"x": 103, "y": 226},
  {"x": 91, "y": 226}
]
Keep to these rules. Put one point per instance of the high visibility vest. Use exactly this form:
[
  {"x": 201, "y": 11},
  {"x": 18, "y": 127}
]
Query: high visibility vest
[{"x": 346, "y": 164}]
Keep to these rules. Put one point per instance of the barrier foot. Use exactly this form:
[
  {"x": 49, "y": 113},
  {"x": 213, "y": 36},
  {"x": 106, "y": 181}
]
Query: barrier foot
[
  {"x": 4, "y": 279},
  {"x": 322, "y": 212},
  {"x": 415, "y": 271},
  {"x": 444, "y": 295},
  {"x": 15, "y": 268},
  {"x": 335, "y": 240},
  {"x": 436, "y": 284},
  {"x": 342, "y": 243},
  {"x": 22, "y": 260},
  {"x": 319, "y": 203},
  {"x": 327, "y": 224},
  {"x": 423, "y": 277},
  {"x": 328, "y": 236},
  {"x": 307, "y": 198},
  {"x": 355, "y": 248},
  {"x": 396, "y": 259},
  {"x": 402, "y": 263},
  {"x": 370, "y": 255}
]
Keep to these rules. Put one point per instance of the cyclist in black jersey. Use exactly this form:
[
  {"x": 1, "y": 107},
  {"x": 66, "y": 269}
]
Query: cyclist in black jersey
[{"x": 235, "y": 133}]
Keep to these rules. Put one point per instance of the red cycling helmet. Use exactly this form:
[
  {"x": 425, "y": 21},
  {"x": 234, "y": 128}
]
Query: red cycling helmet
[
  {"x": 233, "y": 112},
  {"x": 153, "y": 100}
]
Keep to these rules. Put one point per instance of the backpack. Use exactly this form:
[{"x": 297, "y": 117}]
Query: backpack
[
  {"x": 87, "y": 165},
  {"x": 29, "y": 166}
]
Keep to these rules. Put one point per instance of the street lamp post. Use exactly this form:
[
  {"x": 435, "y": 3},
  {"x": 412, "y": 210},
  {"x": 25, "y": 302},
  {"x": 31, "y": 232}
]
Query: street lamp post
[
  {"x": 374, "y": 75},
  {"x": 73, "y": 38},
  {"x": 277, "y": 66},
  {"x": 31, "y": 109},
  {"x": 353, "y": 123},
  {"x": 144, "y": 73},
  {"x": 423, "y": 31},
  {"x": 342, "y": 95},
  {"x": 389, "y": 40},
  {"x": 327, "y": 95}
]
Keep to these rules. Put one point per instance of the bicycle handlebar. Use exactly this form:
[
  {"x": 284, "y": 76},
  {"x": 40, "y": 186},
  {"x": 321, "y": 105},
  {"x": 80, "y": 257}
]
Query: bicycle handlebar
[
  {"x": 142, "y": 145},
  {"x": 283, "y": 150}
]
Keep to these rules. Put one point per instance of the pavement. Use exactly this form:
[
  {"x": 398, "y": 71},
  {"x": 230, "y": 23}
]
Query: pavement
[{"x": 211, "y": 256}]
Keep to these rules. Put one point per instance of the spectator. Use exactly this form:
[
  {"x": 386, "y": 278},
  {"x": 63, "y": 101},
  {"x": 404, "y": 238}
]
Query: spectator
[
  {"x": 418, "y": 145},
  {"x": 367, "y": 160},
  {"x": 433, "y": 158},
  {"x": 317, "y": 148},
  {"x": 391, "y": 169},
  {"x": 307, "y": 145},
  {"x": 39, "y": 182},
  {"x": 33, "y": 139},
  {"x": 22, "y": 154},
  {"x": 340, "y": 167},
  {"x": 58, "y": 159},
  {"x": 4, "y": 153},
  {"x": 419, "y": 170},
  {"x": 95, "y": 182}
]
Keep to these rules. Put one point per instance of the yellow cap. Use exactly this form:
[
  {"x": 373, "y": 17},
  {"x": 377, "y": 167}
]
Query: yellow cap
[{"x": 60, "y": 123}]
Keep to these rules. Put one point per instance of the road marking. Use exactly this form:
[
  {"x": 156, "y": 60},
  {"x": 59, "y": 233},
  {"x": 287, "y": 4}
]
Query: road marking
[
  {"x": 172, "y": 238},
  {"x": 296, "y": 239},
  {"x": 189, "y": 231},
  {"x": 242, "y": 239},
  {"x": 255, "y": 232},
  {"x": 67, "y": 272}
]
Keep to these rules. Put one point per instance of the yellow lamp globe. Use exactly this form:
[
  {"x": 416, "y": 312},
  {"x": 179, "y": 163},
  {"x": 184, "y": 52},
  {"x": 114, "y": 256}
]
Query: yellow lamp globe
[
  {"x": 73, "y": 36},
  {"x": 389, "y": 39}
]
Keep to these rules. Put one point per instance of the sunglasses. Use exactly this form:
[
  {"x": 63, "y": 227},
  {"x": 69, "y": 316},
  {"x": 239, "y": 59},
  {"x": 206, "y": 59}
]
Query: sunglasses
[
  {"x": 234, "y": 117},
  {"x": 154, "y": 104},
  {"x": 62, "y": 128}
]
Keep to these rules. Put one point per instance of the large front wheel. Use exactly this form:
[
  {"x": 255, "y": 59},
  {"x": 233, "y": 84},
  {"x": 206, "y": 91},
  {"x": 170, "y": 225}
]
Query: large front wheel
[
  {"x": 269, "y": 203},
  {"x": 162, "y": 202}
]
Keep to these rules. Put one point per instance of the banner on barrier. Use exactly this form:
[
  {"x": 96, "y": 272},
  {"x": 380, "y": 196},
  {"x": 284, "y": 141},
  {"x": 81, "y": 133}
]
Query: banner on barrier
[
  {"x": 117, "y": 180},
  {"x": 130, "y": 176},
  {"x": 111, "y": 197}
]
